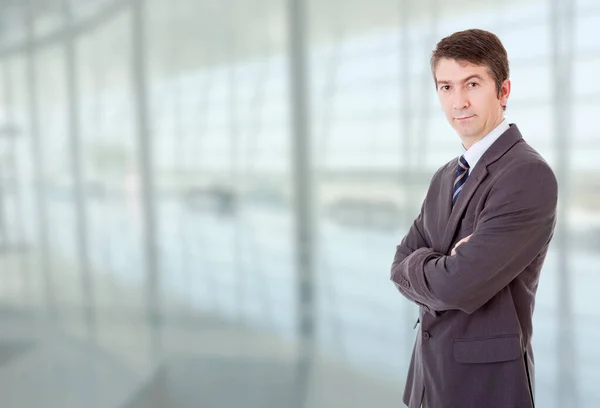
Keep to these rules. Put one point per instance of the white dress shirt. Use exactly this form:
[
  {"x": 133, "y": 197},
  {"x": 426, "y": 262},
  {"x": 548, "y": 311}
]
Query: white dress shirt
[{"x": 475, "y": 152}]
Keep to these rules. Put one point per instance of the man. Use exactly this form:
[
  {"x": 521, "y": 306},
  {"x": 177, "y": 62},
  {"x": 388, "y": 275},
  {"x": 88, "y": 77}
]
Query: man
[{"x": 472, "y": 258}]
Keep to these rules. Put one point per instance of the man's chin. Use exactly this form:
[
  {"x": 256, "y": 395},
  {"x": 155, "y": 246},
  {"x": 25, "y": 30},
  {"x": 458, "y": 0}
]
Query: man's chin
[{"x": 464, "y": 133}]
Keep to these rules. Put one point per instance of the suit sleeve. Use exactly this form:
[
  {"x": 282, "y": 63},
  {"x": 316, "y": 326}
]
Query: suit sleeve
[
  {"x": 415, "y": 239},
  {"x": 516, "y": 223}
]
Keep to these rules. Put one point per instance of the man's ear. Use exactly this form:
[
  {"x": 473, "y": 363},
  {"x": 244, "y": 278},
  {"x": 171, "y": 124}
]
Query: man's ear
[{"x": 504, "y": 92}]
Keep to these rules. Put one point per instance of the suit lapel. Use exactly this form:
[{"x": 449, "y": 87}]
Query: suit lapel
[
  {"x": 445, "y": 196},
  {"x": 479, "y": 173}
]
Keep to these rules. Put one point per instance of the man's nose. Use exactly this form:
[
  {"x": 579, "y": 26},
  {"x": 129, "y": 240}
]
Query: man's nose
[{"x": 460, "y": 100}]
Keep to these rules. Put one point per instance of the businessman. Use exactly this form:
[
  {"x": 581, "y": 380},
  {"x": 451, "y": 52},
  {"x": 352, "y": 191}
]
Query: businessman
[{"x": 472, "y": 258}]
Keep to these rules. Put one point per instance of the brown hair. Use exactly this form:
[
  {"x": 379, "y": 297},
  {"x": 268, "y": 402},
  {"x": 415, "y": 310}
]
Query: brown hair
[{"x": 478, "y": 47}]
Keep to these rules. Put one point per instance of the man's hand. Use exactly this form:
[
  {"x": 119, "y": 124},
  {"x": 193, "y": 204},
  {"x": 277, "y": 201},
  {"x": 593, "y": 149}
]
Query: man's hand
[{"x": 465, "y": 239}]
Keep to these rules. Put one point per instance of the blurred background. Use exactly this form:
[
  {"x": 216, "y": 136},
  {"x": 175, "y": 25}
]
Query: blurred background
[{"x": 200, "y": 200}]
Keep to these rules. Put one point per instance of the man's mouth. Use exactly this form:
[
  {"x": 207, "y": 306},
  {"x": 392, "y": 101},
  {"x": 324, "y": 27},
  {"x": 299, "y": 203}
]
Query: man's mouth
[{"x": 465, "y": 117}]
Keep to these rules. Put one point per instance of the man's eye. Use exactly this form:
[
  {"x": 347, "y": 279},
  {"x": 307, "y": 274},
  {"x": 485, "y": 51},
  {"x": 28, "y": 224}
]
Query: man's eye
[
  {"x": 473, "y": 84},
  {"x": 445, "y": 87}
]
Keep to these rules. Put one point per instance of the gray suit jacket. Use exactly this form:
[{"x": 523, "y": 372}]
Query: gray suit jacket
[{"x": 474, "y": 345}]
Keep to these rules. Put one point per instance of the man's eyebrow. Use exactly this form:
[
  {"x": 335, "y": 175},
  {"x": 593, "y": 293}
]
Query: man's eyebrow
[
  {"x": 467, "y": 79},
  {"x": 475, "y": 76}
]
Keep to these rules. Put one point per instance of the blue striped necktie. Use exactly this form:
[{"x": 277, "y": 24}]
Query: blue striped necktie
[{"x": 462, "y": 173}]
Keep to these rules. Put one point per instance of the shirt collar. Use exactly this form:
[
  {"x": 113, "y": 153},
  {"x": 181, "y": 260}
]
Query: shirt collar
[{"x": 474, "y": 153}]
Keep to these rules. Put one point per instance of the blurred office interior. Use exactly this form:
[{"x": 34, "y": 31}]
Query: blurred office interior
[{"x": 200, "y": 200}]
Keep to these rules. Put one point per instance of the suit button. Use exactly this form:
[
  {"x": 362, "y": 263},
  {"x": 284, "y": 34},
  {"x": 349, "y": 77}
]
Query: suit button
[{"x": 426, "y": 335}]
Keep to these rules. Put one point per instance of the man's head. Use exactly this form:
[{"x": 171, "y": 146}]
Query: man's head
[{"x": 470, "y": 70}]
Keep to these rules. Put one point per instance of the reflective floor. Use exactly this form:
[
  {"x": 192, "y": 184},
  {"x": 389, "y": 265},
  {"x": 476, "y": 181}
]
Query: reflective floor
[
  {"x": 124, "y": 366},
  {"x": 116, "y": 359}
]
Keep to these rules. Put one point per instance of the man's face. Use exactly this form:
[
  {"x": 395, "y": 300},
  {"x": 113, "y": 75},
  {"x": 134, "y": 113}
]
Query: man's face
[{"x": 468, "y": 95}]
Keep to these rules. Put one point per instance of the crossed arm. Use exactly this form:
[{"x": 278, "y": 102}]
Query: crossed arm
[{"x": 516, "y": 223}]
